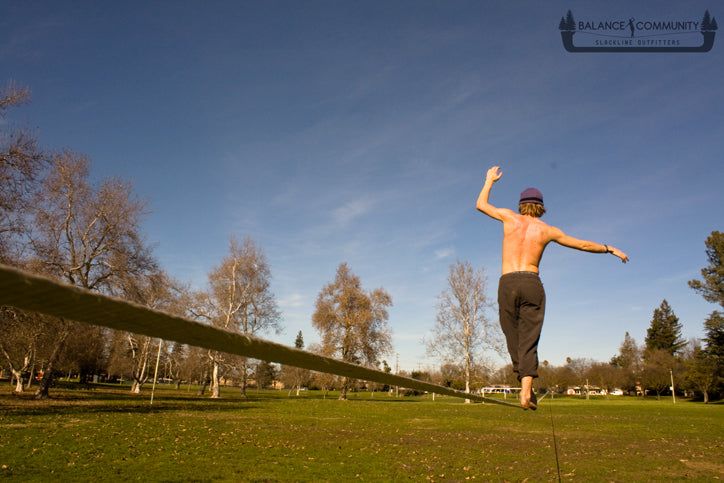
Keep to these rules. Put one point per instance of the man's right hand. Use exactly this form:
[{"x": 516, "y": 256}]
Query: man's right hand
[{"x": 493, "y": 174}]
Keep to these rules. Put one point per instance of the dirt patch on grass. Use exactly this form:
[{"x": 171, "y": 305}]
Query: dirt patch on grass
[{"x": 705, "y": 466}]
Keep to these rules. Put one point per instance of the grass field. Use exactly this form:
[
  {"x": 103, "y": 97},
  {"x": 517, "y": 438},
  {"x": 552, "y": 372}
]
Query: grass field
[{"x": 106, "y": 433}]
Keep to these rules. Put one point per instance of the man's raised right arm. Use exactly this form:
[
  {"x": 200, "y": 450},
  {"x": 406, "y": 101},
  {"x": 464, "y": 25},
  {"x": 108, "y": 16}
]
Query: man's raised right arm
[{"x": 483, "y": 204}]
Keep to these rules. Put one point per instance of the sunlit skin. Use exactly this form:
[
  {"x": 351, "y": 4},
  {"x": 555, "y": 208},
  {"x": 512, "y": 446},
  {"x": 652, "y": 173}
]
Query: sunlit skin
[{"x": 525, "y": 238}]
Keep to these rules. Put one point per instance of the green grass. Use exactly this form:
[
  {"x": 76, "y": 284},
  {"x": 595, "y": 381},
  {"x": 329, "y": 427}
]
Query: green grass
[{"x": 108, "y": 434}]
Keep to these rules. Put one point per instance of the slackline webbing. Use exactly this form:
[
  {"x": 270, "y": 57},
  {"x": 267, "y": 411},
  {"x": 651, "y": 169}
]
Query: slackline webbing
[{"x": 35, "y": 293}]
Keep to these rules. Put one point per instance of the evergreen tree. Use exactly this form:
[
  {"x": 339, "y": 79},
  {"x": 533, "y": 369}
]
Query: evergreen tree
[
  {"x": 265, "y": 374},
  {"x": 714, "y": 330},
  {"x": 712, "y": 286},
  {"x": 712, "y": 356},
  {"x": 629, "y": 362},
  {"x": 665, "y": 331},
  {"x": 629, "y": 353}
]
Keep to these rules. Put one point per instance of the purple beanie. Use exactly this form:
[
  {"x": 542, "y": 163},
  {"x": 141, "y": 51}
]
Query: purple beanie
[{"x": 531, "y": 195}]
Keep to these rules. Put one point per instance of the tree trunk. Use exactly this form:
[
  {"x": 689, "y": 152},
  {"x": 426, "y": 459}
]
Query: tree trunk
[
  {"x": 47, "y": 379},
  {"x": 204, "y": 382},
  {"x": 139, "y": 377},
  {"x": 215, "y": 392},
  {"x": 202, "y": 387},
  {"x": 18, "y": 380},
  {"x": 343, "y": 391},
  {"x": 244, "y": 381},
  {"x": 32, "y": 374},
  {"x": 467, "y": 373}
]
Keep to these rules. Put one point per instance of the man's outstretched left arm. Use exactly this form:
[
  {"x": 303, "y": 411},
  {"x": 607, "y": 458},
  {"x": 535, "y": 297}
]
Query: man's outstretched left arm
[{"x": 587, "y": 246}]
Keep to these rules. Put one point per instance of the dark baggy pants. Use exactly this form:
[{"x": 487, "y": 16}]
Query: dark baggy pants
[{"x": 522, "y": 302}]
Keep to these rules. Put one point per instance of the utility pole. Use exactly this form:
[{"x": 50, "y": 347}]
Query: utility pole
[
  {"x": 155, "y": 374},
  {"x": 397, "y": 372}
]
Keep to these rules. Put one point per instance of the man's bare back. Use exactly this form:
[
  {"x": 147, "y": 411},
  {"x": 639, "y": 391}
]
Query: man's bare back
[{"x": 524, "y": 239}]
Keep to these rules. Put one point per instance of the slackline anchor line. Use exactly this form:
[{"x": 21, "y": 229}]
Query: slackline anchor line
[
  {"x": 555, "y": 441},
  {"x": 34, "y": 293}
]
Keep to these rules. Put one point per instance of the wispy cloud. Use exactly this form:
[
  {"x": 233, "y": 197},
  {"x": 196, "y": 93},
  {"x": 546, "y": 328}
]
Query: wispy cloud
[
  {"x": 347, "y": 213},
  {"x": 444, "y": 253},
  {"x": 292, "y": 300}
]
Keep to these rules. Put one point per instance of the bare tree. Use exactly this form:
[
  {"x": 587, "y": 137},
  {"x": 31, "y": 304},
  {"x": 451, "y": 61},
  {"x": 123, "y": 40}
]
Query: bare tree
[
  {"x": 85, "y": 351},
  {"x": 450, "y": 375},
  {"x": 194, "y": 367},
  {"x": 657, "y": 368},
  {"x": 20, "y": 337},
  {"x": 577, "y": 370},
  {"x": 87, "y": 236},
  {"x": 295, "y": 377},
  {"x": 463, "y": 333},
  {"x": 133, "y": 353},
  {"x": 604, "y": 375},
  {"x": 21, "y": 161},
  {"x": 239, "y": 300},
  {"x": 555, "y": 378},
  {"x": 175, "y": 362},
  {"x": 505, "y": 376},
  {"x": 352, "y": 322}
]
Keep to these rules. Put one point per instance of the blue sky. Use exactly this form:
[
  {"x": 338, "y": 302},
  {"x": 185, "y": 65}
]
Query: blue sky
[{"x": 360, "y": 132}]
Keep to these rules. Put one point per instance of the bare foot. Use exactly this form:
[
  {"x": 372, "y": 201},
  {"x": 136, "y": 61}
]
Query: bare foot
[{"x": 527, "y": 396}]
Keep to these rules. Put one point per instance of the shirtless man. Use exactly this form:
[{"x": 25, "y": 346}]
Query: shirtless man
[{"x": 521, "y": 298}]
